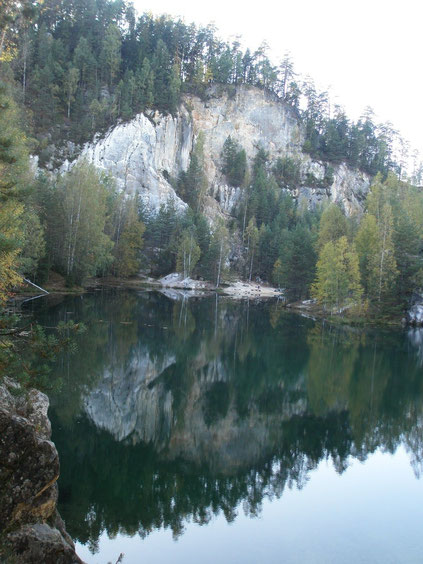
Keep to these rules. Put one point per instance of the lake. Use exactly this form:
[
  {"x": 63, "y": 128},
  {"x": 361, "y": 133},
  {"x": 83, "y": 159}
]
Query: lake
[{"x": 203, "y": 429}]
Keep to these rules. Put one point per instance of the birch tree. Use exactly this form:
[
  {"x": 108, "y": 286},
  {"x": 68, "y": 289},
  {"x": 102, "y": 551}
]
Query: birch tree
[
  {"x": 70, "y": 84},
  {"x": 252, "y": 241},
  {"x": 383, "y": 266},
  {"x": 85, "y": 248},
  {"x": 220, "y": 244},
  {"x": 188, "y": 253}
]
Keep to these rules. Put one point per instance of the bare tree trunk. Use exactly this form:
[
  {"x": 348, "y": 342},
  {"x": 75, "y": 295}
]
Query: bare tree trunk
[
  {"x": 382, "y": 259},
  {"x": 2, "y": 38},
  {"x": 78, "y": 216},
  {"x": 219, "y": 268},
  {"x": 251, "y": 265},
  {"x": 24, "y": 76},
  {"x": 245, "y": 219}
]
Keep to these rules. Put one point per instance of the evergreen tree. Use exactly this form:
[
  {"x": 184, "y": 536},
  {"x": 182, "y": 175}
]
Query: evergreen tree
[
  {"x": 129, "y": 242},
  {"x": 287, "y": 75},
  {"x": 111, "y": 52},
  {"x": 234, "y": 162},
  {"x": 298, "y": 261},
  {"x": 192, "y": 185},
  {"x": 14, "y": 175},
  {"x": 367, "y": 244},
  {"x": 70, "y": 85},
  {"x": 287, "y": 172}
]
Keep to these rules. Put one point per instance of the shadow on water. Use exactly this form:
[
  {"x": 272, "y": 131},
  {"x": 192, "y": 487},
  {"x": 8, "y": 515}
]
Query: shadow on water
[{"x": 177, "y": 410}]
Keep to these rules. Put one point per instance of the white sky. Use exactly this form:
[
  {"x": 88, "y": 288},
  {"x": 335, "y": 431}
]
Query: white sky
[{"x": 369, "y": 52}]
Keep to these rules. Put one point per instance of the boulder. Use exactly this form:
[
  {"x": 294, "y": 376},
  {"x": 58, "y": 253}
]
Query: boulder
[{"x": 32, "y": 530}]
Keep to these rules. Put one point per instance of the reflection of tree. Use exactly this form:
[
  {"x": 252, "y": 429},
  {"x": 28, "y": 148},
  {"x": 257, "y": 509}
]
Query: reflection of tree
[
  {"x": 111, "y": 334},
  {"x": 258, "y": 397},
  {"x": 375, "y": 380},
  {"x": 129, "y": 489},
  {"x": 414, "y": 445}
]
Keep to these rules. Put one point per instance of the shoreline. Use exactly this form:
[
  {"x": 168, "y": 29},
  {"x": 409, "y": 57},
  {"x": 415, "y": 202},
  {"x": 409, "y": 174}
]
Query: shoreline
[{"x": 238, "y": 290}]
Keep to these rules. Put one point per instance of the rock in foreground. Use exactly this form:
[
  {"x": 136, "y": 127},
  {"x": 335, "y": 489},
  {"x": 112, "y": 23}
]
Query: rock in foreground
[{"x": 30, "y": 527}]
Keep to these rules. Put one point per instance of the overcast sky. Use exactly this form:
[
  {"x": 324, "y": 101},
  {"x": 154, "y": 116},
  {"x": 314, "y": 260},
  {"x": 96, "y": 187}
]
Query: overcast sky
[{"x": 369, "y": 52}]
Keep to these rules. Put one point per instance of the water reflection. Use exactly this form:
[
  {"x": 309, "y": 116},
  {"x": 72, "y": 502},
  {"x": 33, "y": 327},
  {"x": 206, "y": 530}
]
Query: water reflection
[{"x": 179, "y": 409}]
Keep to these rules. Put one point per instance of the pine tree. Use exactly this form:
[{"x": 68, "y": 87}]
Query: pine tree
[
  {"x": 111, "y": 52},
  {"x": 367, "y": 245},
  {"x": 85, "y": 62},
  {"x": 192, "y": 185},
  {"x": 234, "y": 162},
  {"x": 129, "y": 242},
  {"x": 14, "y": 175},
  {"x": 298, "y": 261}
]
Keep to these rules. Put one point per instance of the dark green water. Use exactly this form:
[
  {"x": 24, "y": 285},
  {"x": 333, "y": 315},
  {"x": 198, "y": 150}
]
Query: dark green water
[{"x": 212, "y": 430}]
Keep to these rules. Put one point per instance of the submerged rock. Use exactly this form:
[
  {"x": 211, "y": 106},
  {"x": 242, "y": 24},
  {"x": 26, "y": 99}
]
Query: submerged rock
[{"x": 31, "y": 528}]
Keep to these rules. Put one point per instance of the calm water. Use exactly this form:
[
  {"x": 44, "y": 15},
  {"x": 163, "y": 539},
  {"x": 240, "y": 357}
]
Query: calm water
[{"x": 205, "y": 430}]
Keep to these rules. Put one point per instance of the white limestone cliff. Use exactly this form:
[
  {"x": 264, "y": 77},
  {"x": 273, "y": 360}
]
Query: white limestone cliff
[{"x": 145, "y": 153}]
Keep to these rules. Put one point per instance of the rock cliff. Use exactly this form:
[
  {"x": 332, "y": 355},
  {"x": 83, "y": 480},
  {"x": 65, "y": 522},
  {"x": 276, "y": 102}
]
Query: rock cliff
[
  {"x": 146, "y": 153},
  {"x": 31, "y": 530}
]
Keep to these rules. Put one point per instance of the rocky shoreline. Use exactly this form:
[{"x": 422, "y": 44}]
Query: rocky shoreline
[{"x": 31, "y": 529}]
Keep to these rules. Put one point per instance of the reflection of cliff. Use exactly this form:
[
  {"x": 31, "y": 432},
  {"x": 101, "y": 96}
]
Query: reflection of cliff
[
  {"x": 219, "y": 394},
  {"x": 137, "y": 402},
  {"x": 415, "y": 336},
  {"x": 214, "y": 434},
  {"x": 187, "y": 402},
  {"x": 201, "y": 405},
  {"x": 125, "y": 404}
]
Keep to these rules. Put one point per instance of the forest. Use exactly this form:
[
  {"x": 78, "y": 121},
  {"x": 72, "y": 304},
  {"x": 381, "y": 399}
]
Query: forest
[{"x": 73, "y": 68}]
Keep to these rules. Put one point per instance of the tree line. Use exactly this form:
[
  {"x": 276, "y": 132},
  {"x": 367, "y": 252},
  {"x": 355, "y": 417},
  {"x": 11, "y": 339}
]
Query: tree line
[{"x": 81, "y": 65}]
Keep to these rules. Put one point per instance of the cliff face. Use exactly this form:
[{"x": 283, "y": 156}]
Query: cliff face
[
  {"x": 31, "y": 529},
  {"x": 145, "y": 153}
]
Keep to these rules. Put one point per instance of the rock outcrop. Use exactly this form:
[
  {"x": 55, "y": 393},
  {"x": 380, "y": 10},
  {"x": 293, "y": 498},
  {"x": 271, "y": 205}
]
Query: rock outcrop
[
  {"x": 30, "y": 527},
  {"x": 146, "y": 153}
]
